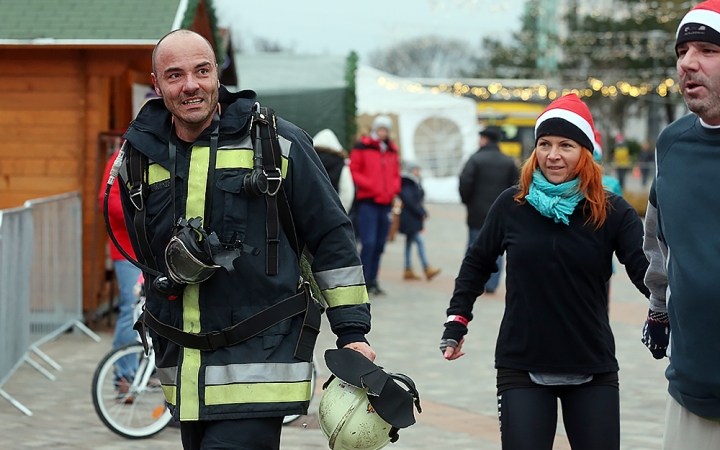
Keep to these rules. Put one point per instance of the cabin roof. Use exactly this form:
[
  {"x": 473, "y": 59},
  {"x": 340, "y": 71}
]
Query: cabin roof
[{"x": 89, "y": 22}]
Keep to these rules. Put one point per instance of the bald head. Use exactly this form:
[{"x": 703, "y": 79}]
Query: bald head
[
  {"x": 185, "y": 75},
  {"x": 178, "y": 37}
]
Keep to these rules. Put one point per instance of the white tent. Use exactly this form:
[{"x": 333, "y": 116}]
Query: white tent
[{"x": 436, "y": 129}]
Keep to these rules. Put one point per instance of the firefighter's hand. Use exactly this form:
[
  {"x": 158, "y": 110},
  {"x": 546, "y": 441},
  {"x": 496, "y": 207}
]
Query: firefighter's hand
[{"x": 363, "y": 348}]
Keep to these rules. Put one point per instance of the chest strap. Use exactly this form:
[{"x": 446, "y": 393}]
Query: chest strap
[{"x": 300, "y": 303}]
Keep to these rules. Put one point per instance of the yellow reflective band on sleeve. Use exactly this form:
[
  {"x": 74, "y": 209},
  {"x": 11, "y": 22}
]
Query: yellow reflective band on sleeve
[
  {"x": 257, "y": 393},
  {"x": 157, "y": 173},
  {"x": 190, "y": 369},
  {"x": 347, "y": 295},
  {"x": 169, "y": 392}
]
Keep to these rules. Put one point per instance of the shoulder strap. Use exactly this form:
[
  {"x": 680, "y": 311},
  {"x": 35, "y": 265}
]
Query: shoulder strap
[
  {"x": 137, "y": 172},
  {"x": 278, "y": 209}
]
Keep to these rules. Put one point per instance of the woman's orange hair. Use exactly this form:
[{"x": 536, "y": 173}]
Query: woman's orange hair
[{"x": 589, "y": 175}]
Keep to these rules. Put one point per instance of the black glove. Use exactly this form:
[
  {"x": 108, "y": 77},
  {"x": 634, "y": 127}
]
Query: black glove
[
  {"x": 453, "y": 334},
  {"x": 656, "y": 333}
]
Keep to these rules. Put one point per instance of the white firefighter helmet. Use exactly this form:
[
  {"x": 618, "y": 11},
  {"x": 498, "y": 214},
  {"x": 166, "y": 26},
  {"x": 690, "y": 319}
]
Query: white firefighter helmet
[
  {"x": 362, "y": 406},
  {"x": 349, "y": 421}
]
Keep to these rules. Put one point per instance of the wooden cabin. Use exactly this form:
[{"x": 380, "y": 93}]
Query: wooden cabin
[{"x": 69, "y": 71}]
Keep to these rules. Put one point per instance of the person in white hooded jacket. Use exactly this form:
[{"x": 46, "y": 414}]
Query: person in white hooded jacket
[{"x": 335, "y": 160}]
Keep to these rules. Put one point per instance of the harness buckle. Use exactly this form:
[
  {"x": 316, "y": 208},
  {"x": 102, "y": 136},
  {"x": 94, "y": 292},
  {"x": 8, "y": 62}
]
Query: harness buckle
[
  {"x": 216, "y": 339},
  {"x": 137, "y": 194},
  {"x": 274, "y": 176}
]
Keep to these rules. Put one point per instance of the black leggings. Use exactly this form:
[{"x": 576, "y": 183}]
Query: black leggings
[{"x": 591, "y": 413}]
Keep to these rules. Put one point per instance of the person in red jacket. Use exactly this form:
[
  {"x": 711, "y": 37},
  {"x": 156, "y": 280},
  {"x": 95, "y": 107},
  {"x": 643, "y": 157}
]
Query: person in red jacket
[
  {"x": 375, "y": 170},
  {"x": 126, "y": 273}
]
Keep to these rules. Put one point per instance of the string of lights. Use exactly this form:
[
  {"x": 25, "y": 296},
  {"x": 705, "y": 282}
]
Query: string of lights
[{"x": 593, "y": 86}]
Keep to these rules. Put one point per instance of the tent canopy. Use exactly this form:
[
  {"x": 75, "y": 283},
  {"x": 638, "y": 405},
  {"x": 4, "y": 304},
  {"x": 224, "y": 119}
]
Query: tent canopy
[
  {"x": 310, "y": 91},
  {"x": 435, "y": 129}
]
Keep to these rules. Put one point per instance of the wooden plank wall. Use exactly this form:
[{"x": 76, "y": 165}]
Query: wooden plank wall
[
  {"x": 40, "y": 116},
  {"x": 56, "y": 101}
]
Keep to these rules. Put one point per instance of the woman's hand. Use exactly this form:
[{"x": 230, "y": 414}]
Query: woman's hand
[{"x": 453, "y": 353}]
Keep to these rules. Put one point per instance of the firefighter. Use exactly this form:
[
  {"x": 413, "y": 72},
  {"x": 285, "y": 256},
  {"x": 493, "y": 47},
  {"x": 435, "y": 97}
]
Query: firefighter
[{"x": 219, "y": 235}]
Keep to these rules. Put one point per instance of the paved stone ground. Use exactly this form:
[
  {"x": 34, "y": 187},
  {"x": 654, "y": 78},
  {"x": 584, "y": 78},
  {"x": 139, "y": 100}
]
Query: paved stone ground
[{"x": 458, "y": 398}]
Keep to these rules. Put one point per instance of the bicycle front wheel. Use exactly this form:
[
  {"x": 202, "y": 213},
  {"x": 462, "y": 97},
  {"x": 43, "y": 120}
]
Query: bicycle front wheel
[{"x": 132, "y": 406}]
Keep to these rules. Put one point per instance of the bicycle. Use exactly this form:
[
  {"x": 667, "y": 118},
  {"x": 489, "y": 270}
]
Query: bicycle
[
  {"x": 136, "y": 408},
  {"x": 133, "y": 408}
]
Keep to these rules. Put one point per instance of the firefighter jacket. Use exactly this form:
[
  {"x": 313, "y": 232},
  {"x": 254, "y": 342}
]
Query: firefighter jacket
[{"x": 259, "y": 377}]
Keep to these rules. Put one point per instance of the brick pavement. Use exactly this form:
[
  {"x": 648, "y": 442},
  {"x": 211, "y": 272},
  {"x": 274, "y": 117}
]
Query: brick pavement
[{"x": 458, "y": 398}]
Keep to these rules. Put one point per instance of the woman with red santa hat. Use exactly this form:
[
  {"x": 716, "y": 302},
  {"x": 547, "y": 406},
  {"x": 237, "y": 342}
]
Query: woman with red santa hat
[{"x": 559, "y": 229}]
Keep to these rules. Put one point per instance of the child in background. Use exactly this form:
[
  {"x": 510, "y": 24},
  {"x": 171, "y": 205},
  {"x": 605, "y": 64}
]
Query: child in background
[{"x": 412, "y": 220}]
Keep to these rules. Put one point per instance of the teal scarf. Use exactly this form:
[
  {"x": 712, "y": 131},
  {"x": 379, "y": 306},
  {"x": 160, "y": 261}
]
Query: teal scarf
[{"x": 556, "y": 201}]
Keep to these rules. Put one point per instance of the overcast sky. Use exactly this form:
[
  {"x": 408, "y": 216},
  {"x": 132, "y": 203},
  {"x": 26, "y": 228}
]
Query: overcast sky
[{"x": 339, "y": 26}]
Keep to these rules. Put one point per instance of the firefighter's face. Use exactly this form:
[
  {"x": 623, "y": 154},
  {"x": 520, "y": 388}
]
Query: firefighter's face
[{"x": 187, "y": 79}]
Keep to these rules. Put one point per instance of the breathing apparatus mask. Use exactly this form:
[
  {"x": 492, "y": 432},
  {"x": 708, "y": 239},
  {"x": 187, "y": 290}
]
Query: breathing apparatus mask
[{"x": 188, "y": 255}]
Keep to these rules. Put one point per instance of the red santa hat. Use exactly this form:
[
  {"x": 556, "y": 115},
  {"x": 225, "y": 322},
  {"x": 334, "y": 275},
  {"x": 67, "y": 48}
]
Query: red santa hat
[
  {"x": 702, "y": 23},
  {"x": 568, "y": 117}
]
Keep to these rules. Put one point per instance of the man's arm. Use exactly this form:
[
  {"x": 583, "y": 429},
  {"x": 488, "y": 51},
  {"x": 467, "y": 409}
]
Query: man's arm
[
  {"x": 514, "y": 175},
  {"x": 467, "y": 177},
  {"x": 656, "y": 252},
  {"x": 656, "y": 331},
  {"x": 358, "y": 171},
  {"x": 324, "y": 227}
]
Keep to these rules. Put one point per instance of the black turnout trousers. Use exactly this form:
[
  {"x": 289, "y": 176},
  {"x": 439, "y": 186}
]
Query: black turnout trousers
[{"x": 241, "y": 434}]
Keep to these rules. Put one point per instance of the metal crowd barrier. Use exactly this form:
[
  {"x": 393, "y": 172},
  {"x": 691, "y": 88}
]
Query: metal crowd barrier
[
  {"x": 15, "y": 263},
  {"x": 40, "y": 282}
]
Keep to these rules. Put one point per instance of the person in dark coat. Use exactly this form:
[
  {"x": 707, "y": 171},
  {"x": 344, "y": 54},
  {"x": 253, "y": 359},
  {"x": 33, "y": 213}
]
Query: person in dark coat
[
  {"x": 486, "y": 174},
  {"x": 412, "y": 220}
]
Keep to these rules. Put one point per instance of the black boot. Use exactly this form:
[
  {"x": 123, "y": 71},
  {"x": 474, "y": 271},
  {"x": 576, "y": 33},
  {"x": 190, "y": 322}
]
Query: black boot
[{"x": 373, "y": 288}]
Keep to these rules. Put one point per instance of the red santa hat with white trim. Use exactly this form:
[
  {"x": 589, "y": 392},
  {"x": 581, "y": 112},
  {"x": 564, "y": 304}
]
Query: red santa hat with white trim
[
  {"x": 702, "y": 23},
  {"x": 568, "y": 117}
]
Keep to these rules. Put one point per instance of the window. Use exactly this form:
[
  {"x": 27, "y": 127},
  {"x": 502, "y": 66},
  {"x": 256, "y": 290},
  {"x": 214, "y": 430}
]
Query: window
[{"x": 438, "y": 147}]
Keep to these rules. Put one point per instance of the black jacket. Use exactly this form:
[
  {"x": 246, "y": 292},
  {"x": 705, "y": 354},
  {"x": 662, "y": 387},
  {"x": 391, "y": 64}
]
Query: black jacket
[
  {"x": 413, "y": 213},
  {"x": 486, "y": 174},
  {"x": 556, "y": 306},
  {"x": 259, "y": 377}
]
